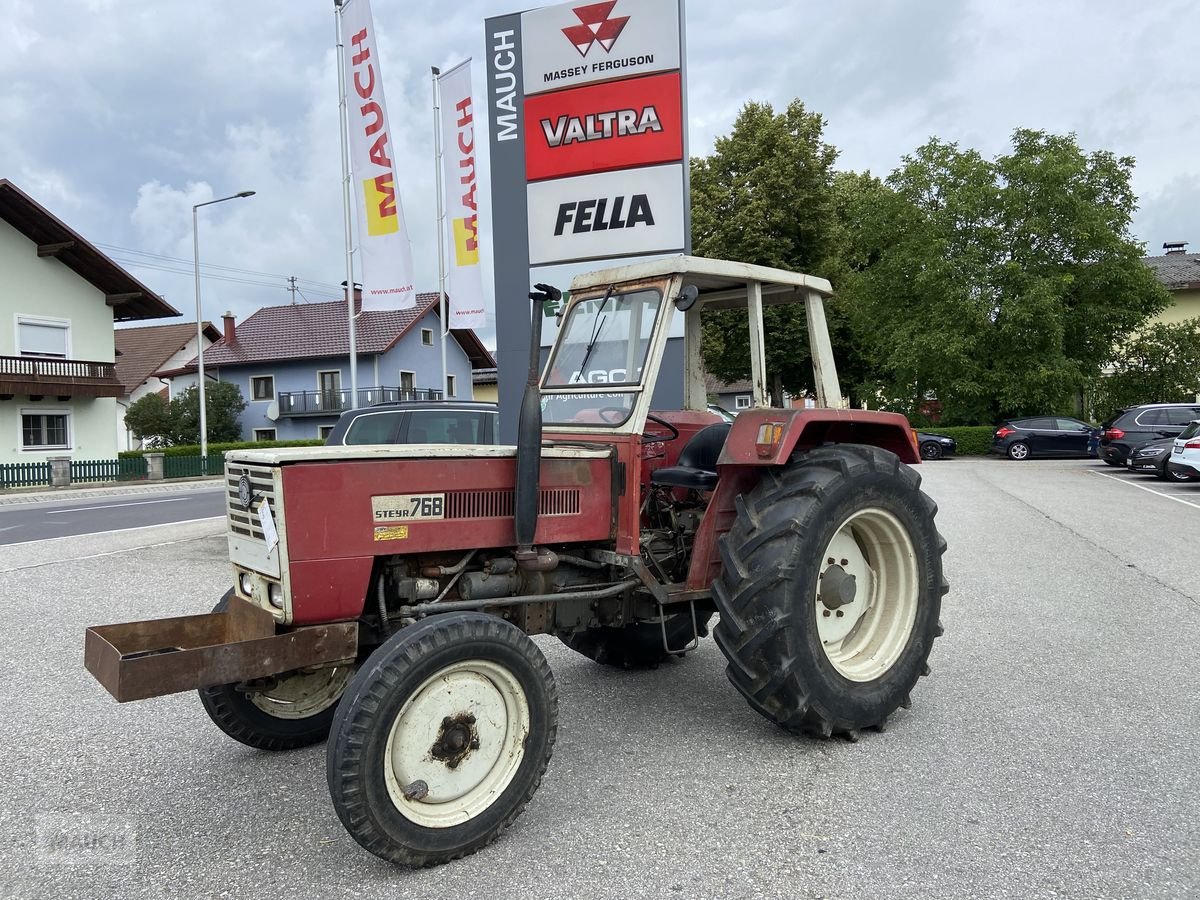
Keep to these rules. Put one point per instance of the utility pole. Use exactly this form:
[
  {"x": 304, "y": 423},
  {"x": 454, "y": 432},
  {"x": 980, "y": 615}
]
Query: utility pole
[{"x": 292, "y": 288}]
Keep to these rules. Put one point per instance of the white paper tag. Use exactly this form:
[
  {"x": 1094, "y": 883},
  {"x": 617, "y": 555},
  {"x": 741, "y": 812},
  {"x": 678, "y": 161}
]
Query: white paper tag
[{"x": 268, "y": 526}]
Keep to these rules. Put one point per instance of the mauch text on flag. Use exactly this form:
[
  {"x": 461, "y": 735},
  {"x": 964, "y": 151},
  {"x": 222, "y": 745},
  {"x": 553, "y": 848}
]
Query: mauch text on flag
[{"x": 467, "y": 304}]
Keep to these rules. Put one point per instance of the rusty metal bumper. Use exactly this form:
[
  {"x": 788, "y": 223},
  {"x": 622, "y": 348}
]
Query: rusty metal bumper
[{"x": 136, "y": 660}]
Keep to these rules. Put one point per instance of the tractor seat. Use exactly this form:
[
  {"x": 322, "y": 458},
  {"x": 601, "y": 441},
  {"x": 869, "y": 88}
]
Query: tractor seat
[{"x": 697, "y": 465}]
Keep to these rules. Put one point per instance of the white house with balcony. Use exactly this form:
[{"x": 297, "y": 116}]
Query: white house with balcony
[{"x": 59, "y": 299}]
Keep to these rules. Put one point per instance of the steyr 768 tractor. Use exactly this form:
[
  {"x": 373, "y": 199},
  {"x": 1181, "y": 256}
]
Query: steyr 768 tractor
[{"x": 383, "y": 596}]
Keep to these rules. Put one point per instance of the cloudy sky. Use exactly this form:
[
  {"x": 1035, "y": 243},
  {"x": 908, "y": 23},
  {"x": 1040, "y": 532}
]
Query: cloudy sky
[{"x": 119, "y": 116}]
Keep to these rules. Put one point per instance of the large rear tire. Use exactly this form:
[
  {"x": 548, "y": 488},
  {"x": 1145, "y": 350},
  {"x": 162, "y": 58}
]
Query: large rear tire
[
  {"x": 830, "y": 590},
  {"x": 638, "y": 646},
  {"x": 296, "y": 711},
  {"x": 442, "y": 738}
]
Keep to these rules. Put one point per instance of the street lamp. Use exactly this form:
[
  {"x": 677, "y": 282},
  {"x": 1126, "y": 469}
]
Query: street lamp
[{"x": 199, "y": 321}]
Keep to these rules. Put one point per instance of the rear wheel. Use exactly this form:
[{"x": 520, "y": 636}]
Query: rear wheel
[
  {"x": 442, "y": 738},
  {"x": 285, "y": 712},
  {"x": 931, "y": 450},
  {"x": 637, "y": 646},
  {"x": 1018, "y": 450},
  {"x": 830, "y": 590},
  {"x": 1175, "y": 475}
]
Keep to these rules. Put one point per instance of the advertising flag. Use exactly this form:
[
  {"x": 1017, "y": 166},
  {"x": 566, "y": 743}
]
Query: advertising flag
[
  {"x": 384, "y": 248},
  {"x": 467, "y": 304}
]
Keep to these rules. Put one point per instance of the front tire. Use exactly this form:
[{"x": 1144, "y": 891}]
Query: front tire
[
  {"x": 442, "y": 738},
  {"x": 1018, "y": 450},
  {"x": 930, "y": 450},
  {"x": 830, "y": 590},
  {"x": 296, "y": 711}
]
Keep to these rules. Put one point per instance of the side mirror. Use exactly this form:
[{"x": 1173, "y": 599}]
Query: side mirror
[{"x": 687, "y": 298}]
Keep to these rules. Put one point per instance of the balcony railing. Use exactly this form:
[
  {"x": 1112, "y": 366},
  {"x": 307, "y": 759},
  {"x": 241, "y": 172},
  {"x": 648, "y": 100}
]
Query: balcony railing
[
  {"x": 60, "y": 377},
  {"x": 331, "y": 403}
]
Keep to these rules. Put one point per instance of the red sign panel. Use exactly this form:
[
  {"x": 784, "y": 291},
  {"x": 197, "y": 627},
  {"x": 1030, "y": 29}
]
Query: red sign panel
[{"x": 601, "y": 127}]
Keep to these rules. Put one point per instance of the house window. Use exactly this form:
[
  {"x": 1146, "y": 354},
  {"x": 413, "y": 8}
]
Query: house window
[
  {"x": 323, "y": 431},
  {"x": 264, "y": 434},
  {"x": 262, "y": 387},
  {"x": 741, "y": 401},
  {"x": 427, "y": 337},
  {"x": 43, "y": 337},
  {"x": 45, "y": 431},
  {"x": 451, "y": 390}
]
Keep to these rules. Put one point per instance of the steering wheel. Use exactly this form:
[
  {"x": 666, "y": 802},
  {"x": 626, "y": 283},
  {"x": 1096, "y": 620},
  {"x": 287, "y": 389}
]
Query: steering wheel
[
  {"x": 672, "y": 431},
  {"x": 613, "y": 415}
]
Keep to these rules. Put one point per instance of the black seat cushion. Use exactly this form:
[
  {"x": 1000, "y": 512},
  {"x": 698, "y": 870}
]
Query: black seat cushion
[{"x": 696, "y": 468}]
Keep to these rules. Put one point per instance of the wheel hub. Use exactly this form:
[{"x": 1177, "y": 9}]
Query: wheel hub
[
  {"x": 456, "y": 740},
  {"x": 838, "y": 587}
]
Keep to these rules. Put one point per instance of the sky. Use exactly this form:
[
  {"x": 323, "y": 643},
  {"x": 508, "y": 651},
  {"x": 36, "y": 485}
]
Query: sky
[{"x": 118, "y": 116}]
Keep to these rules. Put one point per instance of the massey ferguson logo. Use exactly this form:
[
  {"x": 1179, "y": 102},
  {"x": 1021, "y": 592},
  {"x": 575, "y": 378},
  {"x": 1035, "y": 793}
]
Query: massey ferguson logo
[
  {"x": 597, "y": 27},
  {"x": 567, "y": 130}
]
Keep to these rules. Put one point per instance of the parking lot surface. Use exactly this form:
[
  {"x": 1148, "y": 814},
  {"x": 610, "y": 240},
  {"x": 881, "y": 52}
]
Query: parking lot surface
[{"x": 1053, "y": 751}]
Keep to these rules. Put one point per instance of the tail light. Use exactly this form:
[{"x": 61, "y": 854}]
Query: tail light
[
  {"x": 1004, "y": 431},
  {"x": 1113, "y": 434},
  {"x": 1192, "y": 445}
]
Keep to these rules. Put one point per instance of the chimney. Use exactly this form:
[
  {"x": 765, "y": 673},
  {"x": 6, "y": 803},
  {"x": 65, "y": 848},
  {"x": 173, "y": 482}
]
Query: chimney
[
  {"x": 1175, "y": 247},
  {"x": 357, "y": 297},
  {"x": 230, "y": 334}
]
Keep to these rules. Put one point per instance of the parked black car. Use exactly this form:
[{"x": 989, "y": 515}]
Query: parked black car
[
  {"x": 1138, "y": 425},
  {"x": 1043, "y": 436},
  {"x": 1151, "y": 459},
  {"x": 935, "y": 446},
  {"x": 419, "y": 422}
]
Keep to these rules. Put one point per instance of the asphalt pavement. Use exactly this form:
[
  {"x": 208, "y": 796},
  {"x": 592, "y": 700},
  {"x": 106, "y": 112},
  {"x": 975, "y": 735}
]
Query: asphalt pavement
[{"x": 1052, "y": 752}]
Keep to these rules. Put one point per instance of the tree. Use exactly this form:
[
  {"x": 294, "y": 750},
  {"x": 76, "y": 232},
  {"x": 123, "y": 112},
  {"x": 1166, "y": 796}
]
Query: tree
[
  {"x": 149, "y": 420},
  {"x": 1159, "y": 364},
  {"x": 765, "y": 196},
  {"x": 223, "y": 407},
  {"x": 1001, "y": 286}
]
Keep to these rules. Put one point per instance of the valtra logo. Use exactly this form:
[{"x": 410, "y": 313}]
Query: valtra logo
[{"x": 597, "y": 27}]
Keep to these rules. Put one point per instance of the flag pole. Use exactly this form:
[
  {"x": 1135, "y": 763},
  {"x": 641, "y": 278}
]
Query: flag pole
[
  {"x": 343, "y": 128},
  {"x": 441, "y": 225}
]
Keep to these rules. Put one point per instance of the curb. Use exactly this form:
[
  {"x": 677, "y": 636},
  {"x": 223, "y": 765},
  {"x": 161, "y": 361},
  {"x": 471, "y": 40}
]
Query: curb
[{"x": 14, "y": 496}]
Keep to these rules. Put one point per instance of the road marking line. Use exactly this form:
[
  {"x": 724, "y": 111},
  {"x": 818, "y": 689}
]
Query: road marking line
[
  {"x": 89, "y": 534},
  {"x": 73, "y": 509},
  {"x": 1142, "y": 487}
]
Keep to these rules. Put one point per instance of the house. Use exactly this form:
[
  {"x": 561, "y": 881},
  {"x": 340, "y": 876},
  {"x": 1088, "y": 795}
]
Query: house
[
  {"x": 59, "y": 298},
  {"x": 1179, "y": 272},
  {"x": 141, "y": 353},
  {"x": 486, "y": 384},
  {"x": 293, "y": 368},
  {"x": 734, "y": 397}
]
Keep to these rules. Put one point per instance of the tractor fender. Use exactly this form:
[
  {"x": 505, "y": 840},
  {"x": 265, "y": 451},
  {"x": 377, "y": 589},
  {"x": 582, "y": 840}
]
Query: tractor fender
[{"x": 768, "y": 437}]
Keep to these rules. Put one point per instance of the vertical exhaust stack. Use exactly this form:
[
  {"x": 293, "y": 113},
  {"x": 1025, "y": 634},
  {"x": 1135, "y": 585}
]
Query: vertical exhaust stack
[{"x": 529, "y": 438}]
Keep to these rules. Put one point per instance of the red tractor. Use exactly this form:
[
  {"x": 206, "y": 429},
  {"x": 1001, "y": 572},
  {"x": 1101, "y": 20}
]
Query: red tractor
[{"x": 383, "y": 596}]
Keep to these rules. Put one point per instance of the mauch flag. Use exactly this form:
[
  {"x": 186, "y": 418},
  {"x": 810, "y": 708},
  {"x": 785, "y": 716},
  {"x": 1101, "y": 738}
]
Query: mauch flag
[
  {"x": 384, "y": 249},
  {"x": 467, "y": 304}
]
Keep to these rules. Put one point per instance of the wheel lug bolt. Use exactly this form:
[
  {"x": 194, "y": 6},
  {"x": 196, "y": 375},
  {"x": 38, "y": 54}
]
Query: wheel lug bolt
[
  {"x": 825, "y": 613},
  {"x": 470, "y": 719},
  {"x": 840, "y": 613},
  {"x": 447, "y": 722},
  {"x": 830, "y": 561},
  {"x": 475, "y": 744},
  {"x": 844, "y": 562}
]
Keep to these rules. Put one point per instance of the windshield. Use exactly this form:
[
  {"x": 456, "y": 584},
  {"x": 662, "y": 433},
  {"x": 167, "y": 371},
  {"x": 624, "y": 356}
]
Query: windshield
[{"x": 604, "y": 341}]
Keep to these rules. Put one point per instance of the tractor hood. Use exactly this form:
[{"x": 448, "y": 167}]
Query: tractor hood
[{"x": 274, "y": 456}]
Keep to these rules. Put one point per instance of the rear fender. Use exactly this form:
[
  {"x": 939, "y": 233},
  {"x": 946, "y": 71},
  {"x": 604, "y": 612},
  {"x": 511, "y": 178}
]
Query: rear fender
[{"x": 803, "y": 429}]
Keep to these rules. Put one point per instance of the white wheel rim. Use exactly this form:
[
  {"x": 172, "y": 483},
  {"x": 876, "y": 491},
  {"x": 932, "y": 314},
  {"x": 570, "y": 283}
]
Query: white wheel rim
[
  {"x": 477, "y": 698},
  {"x": 302, "y": 695},
  {"x": 864, "y": 636}
]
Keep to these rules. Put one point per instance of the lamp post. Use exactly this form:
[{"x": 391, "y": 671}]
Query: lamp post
[{"x": 199, "y": 320}]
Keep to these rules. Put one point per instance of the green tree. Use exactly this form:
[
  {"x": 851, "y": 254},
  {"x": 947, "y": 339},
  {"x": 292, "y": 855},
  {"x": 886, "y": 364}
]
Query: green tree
[
  {"x": 765, "y": 196},
  {"x": 998, "y": 286},
  {"x": 149, "y": 420},
  {"x": 1160, "y": 363},
  {"x": 223, "y": 408}
]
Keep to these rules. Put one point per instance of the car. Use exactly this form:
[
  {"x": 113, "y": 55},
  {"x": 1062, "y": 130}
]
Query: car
[
  {"x": 726, "y": 415},
  {"x": 1184, "y": 464},
  {"x": 1138, "y": 425},
  {"x": 418, "y": 422},
  {"x": 1152, "y": 459},
  {"x": 935, "y": 446},
  {"x": 1043, "y": 436}
]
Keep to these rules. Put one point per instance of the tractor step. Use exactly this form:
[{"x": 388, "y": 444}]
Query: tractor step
[{"x": 136, "y": 660}]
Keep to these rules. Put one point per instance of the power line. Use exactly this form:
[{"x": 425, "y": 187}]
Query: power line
[{"x": 178, "y": 259}]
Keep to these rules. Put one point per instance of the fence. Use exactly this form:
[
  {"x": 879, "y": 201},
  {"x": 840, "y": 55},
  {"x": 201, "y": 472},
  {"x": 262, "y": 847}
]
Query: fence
[
  {"x": 193, "y": 466},
  {"x": 128, "y": 469},
  {"x": 31, "y": 474}
]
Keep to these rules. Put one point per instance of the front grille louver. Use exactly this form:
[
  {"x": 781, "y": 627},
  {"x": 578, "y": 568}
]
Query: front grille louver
[
  {"x": 498, "y": 504},
  {"x": 262, "y": 487}
]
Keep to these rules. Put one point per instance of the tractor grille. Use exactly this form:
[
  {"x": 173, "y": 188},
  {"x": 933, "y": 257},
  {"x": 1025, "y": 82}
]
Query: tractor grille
[
  {"x": 497, "y": 504},
  {"x": 262, "y": 487}
]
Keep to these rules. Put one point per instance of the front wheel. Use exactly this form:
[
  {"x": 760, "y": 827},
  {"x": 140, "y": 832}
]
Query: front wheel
[
  {"x": 286, "y": 712},
  {"x": 1018, "y": 450},
  {"x": 931, "y": 450},
  {"x": 830, "y": 590},
  {"x": 442, "y": 738}
]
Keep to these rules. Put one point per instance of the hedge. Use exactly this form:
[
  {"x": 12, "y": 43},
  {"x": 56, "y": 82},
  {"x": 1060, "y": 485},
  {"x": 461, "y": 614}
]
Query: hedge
[
  {"x": 973, "y": 440},
  {"x": 194, "y": 449}
]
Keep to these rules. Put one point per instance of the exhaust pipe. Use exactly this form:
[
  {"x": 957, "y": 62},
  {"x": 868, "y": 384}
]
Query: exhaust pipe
[{"x": 529, "y": 435}]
